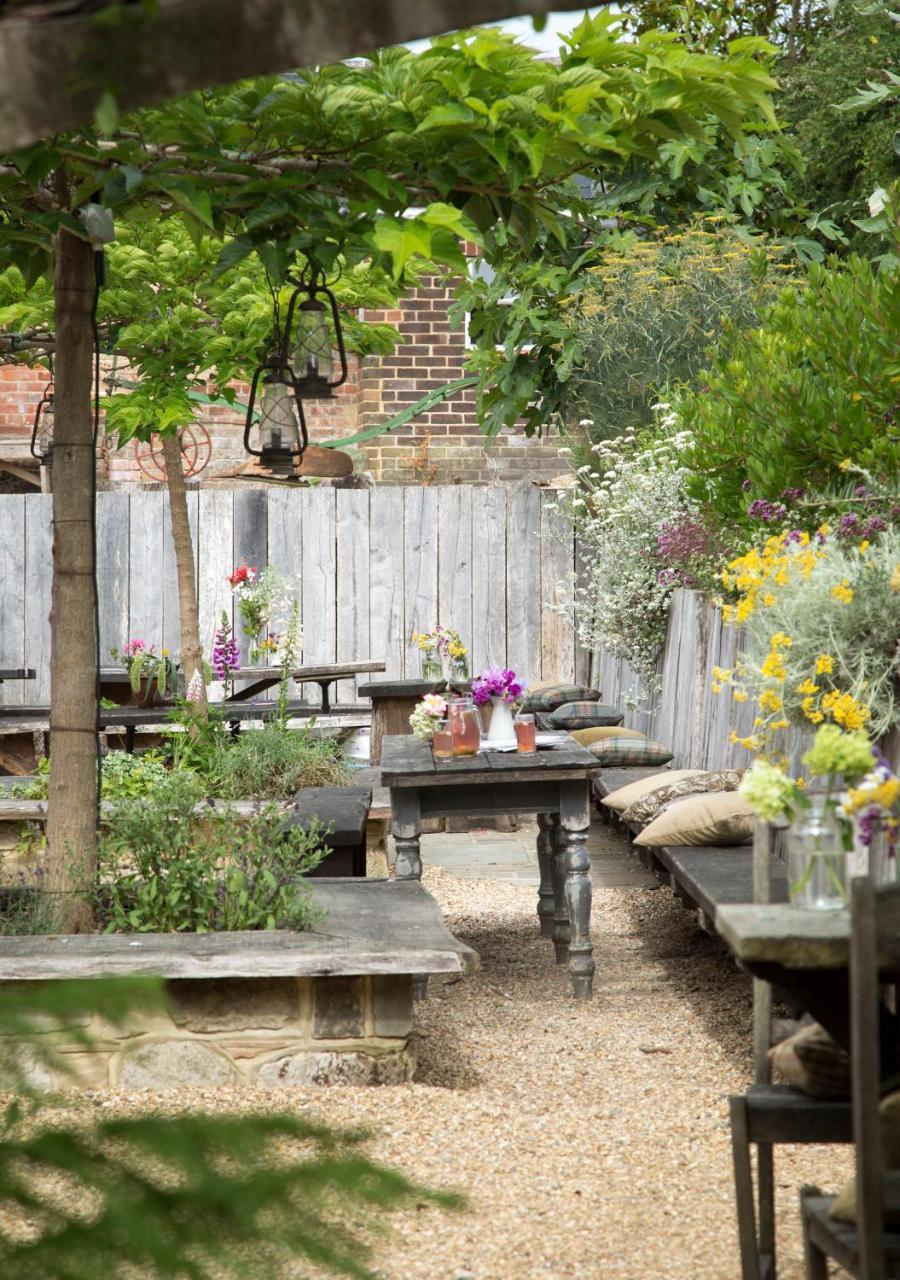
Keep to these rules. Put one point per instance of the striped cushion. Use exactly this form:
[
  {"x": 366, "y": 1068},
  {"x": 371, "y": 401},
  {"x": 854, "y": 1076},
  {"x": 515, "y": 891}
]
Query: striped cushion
[
  {"x": 810, "y": 1060},
  {"x": 584, "y": 715},
  {"x": 624, "y": 752},
  {"x": 547, "y": 697}
]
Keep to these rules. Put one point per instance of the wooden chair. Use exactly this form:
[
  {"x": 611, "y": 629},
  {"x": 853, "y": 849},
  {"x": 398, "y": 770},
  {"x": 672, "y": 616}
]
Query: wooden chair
[
  {"x": 867, "y": 1250},
  {"x": 768, "y": 1114}
]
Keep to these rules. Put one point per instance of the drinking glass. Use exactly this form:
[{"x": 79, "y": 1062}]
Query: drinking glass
[
  {"x": 442, "y": 742},
  {"x": 525, "y": 734}
]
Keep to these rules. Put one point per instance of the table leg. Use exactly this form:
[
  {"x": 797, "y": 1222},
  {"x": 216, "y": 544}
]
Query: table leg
[
  {"x": 546, "y": 899},
  {"x": 575, "y": 817},
  {"x": 562, "y": 931},
  {"x": 406, "y": 828}
]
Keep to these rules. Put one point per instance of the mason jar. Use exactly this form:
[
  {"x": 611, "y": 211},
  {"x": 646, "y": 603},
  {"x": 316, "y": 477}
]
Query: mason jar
[
  {"x": 465, "y": 726},
  {"x": 817, "y": 861}
]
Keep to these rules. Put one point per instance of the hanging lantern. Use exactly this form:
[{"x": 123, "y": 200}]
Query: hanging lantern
[
  {"x": 42, "y": 430},
  {"x": 317, "y": 335},
  {"x": 279, "y": 419}
]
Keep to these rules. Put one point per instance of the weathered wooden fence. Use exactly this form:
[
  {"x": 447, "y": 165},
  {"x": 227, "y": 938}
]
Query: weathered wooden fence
[{"x": 370, "y": 567}]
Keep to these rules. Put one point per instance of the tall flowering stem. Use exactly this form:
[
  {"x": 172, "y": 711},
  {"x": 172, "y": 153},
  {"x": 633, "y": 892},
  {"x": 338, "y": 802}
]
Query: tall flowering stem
[{"x": 225, "y": 658}]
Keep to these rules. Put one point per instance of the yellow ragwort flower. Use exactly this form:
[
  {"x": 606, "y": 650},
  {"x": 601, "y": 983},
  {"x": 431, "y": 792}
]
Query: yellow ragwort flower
[
  {"x": 843, "y": 591},
  {"x": 739, "y": 695},
  {"x": 824, "y": 664}
]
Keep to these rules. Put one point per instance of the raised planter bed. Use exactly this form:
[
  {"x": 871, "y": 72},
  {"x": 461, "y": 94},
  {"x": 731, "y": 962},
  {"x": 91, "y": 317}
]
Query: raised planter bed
[{"x": 333, "y": 1005}]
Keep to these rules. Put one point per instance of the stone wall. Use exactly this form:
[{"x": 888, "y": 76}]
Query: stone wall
[{"x": 268, "y": 1033}]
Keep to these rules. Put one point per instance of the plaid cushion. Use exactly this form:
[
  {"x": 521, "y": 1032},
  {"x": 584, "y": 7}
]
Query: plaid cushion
[
  {"x": 625, "y": 752},
  {"x": 813, "y": 1062},
  {"x": 547, "y": 697},
  {"x": 584, "y": 715}
]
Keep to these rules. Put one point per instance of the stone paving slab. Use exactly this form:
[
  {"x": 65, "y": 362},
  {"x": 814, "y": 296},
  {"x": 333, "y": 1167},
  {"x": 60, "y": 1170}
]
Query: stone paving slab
[{"x": 511, "y": 857}]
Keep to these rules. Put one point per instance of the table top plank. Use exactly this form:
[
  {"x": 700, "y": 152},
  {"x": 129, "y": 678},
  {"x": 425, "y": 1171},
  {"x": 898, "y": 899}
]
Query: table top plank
[
  {"x": 407, "y": 761},
  {"x": 409, "y": 688},
  {"x": 779, "y": 934}
]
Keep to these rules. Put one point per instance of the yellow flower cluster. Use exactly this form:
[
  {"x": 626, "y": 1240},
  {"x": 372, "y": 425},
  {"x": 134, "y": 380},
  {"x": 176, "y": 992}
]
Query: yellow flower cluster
[
  {"x": 887, "y": 794},
  {"x": 457, "y": 649},
  {"x": 752, "y": 574},
  {"x": 845, "y": 710},
  {"x": 843, "y": 591}
]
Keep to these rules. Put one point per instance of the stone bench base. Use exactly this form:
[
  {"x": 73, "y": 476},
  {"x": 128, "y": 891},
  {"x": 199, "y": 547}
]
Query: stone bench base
[
  {"x": 267, "y": 1032},
  {"x": 330, "y": 1006}
]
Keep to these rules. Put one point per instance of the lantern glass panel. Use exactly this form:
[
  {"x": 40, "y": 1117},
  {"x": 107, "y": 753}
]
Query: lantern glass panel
[
  {"x": 312, "y": 356},
  {"x": 279, "y": 425},
  {"x": 45, "y": 429}
]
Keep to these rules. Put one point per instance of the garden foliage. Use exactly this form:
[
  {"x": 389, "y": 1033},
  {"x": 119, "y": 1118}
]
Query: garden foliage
[
  {"x": 165, "y": 867},
  {"x": 783, "y": 406}
]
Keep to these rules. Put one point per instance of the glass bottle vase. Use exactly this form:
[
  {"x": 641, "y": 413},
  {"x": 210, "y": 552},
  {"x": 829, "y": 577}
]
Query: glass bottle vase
[{"x": 817, "y": 861}]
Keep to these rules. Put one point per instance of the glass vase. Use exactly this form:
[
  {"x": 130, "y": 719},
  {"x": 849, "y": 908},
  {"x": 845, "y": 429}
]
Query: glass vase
[
  {"x": 876, "y": 844},
  {"x": 817, "y": 861},
  {"x": 459, "y": 670},
  {"x": 431, "y": 668}
]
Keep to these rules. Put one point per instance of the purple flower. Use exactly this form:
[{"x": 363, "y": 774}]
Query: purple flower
[
  {"x": 768, "y": 512},
  {"x": 225, "y": 658},
  {"x": 848, "y": 525},
  {"x": 496, "y": 682},
  {"x": 792, "y": 495},
  {"x": 794, "y": 536},
  {"x": 860, "y": 491},
  {"x": 745, "y": 485},
  {"x": 873, "y": 525}
]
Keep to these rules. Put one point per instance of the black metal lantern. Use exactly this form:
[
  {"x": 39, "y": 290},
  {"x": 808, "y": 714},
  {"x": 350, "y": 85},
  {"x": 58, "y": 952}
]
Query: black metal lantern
[
  {"x": 279, "y": 417},
  {"x": 42, "y": 430},
  {"x": 317, "y": 336}
]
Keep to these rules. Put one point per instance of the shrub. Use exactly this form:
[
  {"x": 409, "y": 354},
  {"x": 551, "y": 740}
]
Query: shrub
[
  {"x": 653, "y": 309},
  {"x": 163, "y": 868},
  {"x": 272, "y": 763},
  {"x": 786, "y": 405},
  {"x": 822, "y": 620},
  {"x": 124, "y": 775}
]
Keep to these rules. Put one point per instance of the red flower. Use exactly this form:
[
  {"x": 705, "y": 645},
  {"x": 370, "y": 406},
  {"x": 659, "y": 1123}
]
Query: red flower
[{"x": 241, "y": 574}]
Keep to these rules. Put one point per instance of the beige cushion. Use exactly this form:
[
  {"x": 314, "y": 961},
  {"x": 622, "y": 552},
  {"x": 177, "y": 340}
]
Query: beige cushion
[
  {"x": 633, "y": 791},
  {"x": 721, "y": 818},
  {"x": 812, "y": 1061},
  {"x": 643, "y": 811},
  {"x": 587, "y": 736},
  {"x": 843, "y": 1206}
]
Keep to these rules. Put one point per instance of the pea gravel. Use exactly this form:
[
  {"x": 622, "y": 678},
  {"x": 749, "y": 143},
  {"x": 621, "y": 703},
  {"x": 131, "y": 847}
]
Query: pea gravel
[{"x": 591, "y": 1139}]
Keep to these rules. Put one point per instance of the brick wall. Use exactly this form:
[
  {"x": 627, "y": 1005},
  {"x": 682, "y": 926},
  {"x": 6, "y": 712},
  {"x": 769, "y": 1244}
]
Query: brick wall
[{"x": 443, "y": 446}]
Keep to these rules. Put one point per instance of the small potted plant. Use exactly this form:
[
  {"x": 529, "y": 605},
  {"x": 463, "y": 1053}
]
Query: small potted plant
[{"x": 153, "y": 676}]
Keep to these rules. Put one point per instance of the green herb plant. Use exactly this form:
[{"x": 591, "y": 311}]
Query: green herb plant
[
  {"x": 273, "y": 763},
  {"x": 167, "y": 864}
]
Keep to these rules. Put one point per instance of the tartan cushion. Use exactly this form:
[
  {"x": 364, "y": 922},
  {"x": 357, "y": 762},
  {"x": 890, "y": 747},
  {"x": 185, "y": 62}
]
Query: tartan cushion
[
  {"x": 625, "y": 752},
  {"x": 810, "y": 1060},
  {"x": 547, "y": 697},
  {"x": 584, "y": 714}
]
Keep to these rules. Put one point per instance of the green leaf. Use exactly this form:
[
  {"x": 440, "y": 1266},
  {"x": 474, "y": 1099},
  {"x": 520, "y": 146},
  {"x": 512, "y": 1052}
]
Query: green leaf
[
  {"x": 106, "y": 113},
  {"x": 192, "y": 199}
]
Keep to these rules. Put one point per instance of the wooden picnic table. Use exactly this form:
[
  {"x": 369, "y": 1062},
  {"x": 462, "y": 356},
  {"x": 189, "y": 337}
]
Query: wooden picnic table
[
  {"x": 17, "y": 673},
  {"x": 806, "y": 953},
  {"x": 262, "y": 678},
  {"x": 393, "y": 702},
  {"x": 554, "y": 784}
]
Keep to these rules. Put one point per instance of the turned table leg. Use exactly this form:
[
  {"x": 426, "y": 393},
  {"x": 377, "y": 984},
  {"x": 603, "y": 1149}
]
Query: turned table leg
[
  {"x": 562, "y": 930},
  {"x": 575, "y": 863},
  {"x": 546, "y": 896},
  {"x": 406, "y": 828}
]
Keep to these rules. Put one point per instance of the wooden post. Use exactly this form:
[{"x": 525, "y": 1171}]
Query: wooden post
[{"x": 72, "y": 812}]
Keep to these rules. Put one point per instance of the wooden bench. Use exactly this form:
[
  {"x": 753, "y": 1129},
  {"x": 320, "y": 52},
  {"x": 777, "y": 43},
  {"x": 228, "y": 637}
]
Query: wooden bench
[{"x": 344, "y": 812}]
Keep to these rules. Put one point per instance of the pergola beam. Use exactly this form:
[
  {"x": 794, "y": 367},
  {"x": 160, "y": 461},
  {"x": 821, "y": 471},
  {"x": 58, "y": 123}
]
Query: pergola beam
[{"x": 54, "y": 70}]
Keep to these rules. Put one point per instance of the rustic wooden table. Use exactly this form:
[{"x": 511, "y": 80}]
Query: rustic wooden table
[{"x": 554, "y": 784}]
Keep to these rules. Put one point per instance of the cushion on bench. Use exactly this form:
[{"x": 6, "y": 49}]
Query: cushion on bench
[
  {"x": 619, "y": 751},
  {"x": 620, "y": 799},
  {"x": 586, "y": 737},
  {"x": 547, "y": 697},
  {"x": 584, "y": 715},
  {"x": 643, "y": 811},
  {"x": 723, "y": 818}
]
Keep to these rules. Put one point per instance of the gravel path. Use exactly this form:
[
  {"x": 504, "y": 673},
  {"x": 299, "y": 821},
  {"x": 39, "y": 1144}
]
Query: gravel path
[{"x": 592, "y": 1140}]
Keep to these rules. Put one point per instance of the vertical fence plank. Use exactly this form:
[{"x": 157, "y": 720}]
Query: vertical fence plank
[
  {"x": 284, "y": 532},
  {"x": 38, "y": 577},
  {"x": 215, "y": 534},
  {"x": 523, "y": 582},
  {"x": 113, "y": 541},
  {"x": 557, "y": 581},
  {"x": 488, "y": 637},
  {"x": 455, "y": 558},
  {"x": 386, "y": 579},
  {"x": 171, "y": 608},
  {"x": 319, "y": 576},
  {"x": 352, "y": 577},
  {"x": 145, "y": 568},
  {"x": 420, "y": 579},
  {"x": 13, "y": 587},
  {"x": 251, "y": 542}
]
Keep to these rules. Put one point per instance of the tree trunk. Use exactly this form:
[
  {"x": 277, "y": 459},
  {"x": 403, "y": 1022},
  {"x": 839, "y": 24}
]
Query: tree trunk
[
  {"x": 191, "y": 647},
  {"x": 72, "y": 811}
]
